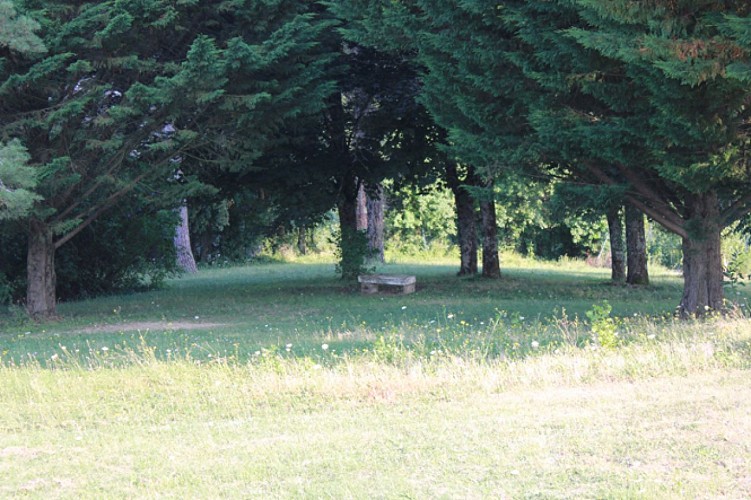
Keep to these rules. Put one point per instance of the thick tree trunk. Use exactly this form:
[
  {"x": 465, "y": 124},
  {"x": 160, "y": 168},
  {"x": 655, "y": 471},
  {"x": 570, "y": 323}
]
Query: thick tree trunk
[
  {"x": 636, "y": 243},
  {"x": 351, "y": 256},
  {"x": 702, "y": 260},
  {"x": 466, "y": 227},
  {"x": 40, "y": 272},
  {"x": 347, "y": 208},
  {"x": 617, "y": 253},
  {"x": 376, "y": 208},
  {"x": 491, "y": 265},
  {"x": 185, "y": 260}
]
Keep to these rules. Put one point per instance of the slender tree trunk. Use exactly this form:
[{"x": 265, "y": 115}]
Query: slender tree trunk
[
  {"x": 491, "y": 265},
  {"x": 702, "y": 260},
  {"x": 376, "y": 209},
  {"x": 40, "y": 272},
  {"x": 362, "y": 209},
  {"x": 206, "y": 239},
  {"x": 636, "y": 243},
  {"x": 185, "y": 259},
  {"x": 466, "y": 227},
  {"x": 617, "y": 253},
  {"x": 302, "y": 246}
]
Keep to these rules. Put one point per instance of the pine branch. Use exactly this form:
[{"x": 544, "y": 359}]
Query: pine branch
[{"x": 660, "y": 212}]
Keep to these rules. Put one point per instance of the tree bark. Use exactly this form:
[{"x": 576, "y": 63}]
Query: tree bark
[
  {"x": 40, "y": 272},
  {"x": 617, "y": 253},
  {"x": 362, "y": 209},
  {"x": 185, "y": 259},
  {"x": 466, "y": 227},
  {"x": 491, "y": 264},
  {"x": 376, "y": 206},
  {"x": 636, "y": 243},
  {"x": 702, "y": 260}
]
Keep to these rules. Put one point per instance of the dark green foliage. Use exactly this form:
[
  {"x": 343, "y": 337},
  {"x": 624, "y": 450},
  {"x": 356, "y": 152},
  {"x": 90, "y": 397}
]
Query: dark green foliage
[
  {"x": 124, "y": 252},
  {"x": 651, "y": 96},
  {"x": 125, "y": 92},
  {"x": 127, "y": 251},
  {"x": 352, "y": 253}
]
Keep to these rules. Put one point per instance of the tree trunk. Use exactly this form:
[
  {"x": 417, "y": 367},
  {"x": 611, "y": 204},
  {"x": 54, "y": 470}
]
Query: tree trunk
[
  {"x": 206, "y": 240},
  {"x": 636, "y": 243},
  {"x": 702, "y": 260},
  {"x": 491, "y": 265},
  {"x": 185, "y": 260},
  {"x": 347, "y": 208},
  {"x": 302, "y": 246},
  {"x": 351, "y": 254},
  {"x": 617, "y": 253},
  {"x": 362, "y": 209},
  {"x": 376, "y": 208},
  {"x": 466, "y": 227},
  {"x": 40, "y": 272}
]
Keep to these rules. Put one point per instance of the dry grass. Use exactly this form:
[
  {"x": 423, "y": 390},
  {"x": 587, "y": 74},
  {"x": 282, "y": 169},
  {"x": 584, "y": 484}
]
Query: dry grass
[{"x": 653, "y": 419}]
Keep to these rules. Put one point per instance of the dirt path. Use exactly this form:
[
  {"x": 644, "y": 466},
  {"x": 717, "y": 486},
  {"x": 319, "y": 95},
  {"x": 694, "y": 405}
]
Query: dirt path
[{"x": 148, "y": 325}]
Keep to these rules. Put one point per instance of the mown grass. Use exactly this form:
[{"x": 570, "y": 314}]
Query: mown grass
[
  {"x": 468, "y": 388},
  {"x": 245, "y": 309}
]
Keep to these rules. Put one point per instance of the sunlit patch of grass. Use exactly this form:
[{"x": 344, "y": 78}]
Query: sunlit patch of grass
[{"x": 395, "y": 418}]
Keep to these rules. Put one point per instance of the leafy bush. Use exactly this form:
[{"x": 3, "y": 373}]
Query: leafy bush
[
  {"x": 604, "y": 327},
  {"x": 127, "y": 250}
]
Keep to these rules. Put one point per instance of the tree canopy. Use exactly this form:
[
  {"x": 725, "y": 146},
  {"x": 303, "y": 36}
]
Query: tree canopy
[{"x": 304, "y": 102}]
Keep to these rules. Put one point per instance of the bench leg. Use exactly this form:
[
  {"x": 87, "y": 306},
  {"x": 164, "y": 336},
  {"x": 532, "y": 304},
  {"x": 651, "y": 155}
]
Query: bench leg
[
  {"x": 408, "y": 289},
  {"x": 368, "y": 288}
]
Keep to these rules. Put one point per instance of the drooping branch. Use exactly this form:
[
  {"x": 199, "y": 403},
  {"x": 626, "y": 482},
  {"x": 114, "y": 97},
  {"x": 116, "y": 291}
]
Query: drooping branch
[
  {"x": 658, "y": 199},
  {"x": 96, "y": 211},
  {"x": 661, "y": 212},
  {"x": 103, "y": 207}
]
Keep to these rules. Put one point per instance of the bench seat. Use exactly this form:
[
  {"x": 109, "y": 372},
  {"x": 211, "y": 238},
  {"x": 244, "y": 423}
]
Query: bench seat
[{"x": 373, "y": 283}]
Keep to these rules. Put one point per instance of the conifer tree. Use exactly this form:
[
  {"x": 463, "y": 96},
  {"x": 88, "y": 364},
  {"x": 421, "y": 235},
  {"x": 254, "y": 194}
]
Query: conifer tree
[
  {"x": 653, "y": 96},
  {"x": 118, "y": 93}
]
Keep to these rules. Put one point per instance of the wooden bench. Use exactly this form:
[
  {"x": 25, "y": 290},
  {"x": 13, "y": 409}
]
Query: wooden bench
[{"x": 373, "y": 283}]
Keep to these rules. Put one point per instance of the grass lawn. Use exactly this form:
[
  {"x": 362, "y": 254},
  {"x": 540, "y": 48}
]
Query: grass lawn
[
  {"x": 278, "y": 380},
  {"x": 241, "y": 310}
]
